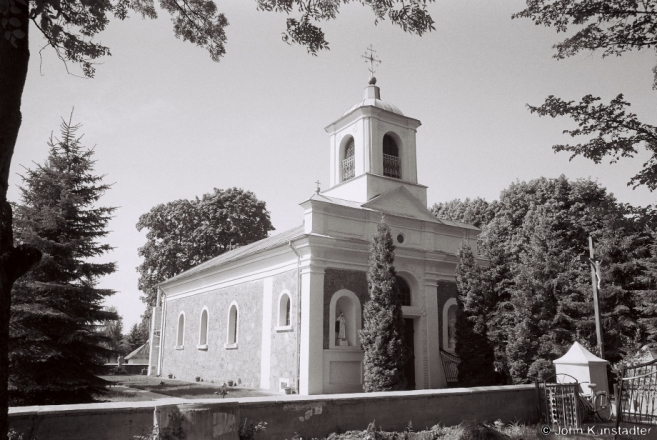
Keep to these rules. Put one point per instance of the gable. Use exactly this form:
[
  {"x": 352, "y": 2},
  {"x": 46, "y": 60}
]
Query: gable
[{"x": 401, "y": 202}]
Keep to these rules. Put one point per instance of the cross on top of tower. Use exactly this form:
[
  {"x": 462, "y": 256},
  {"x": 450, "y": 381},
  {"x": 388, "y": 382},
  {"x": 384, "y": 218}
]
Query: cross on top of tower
[{"x": 371, "y": 59}]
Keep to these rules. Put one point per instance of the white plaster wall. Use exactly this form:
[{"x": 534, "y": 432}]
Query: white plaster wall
[{"x": 343, "y": 371}]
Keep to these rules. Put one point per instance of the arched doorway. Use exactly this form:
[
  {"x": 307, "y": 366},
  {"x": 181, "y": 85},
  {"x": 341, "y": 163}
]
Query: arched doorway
[
  {"x": 408, "y": 289},
  {"x": 409, "y": 341}
]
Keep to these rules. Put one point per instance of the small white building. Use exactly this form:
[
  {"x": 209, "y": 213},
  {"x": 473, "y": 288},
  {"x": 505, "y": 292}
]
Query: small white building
[
  {"x": 139, "y": 356},
  {"x": 266, "y": 315}
]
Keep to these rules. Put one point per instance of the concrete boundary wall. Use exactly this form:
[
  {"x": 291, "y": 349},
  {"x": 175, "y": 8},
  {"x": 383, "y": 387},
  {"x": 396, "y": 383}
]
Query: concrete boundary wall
[{"x": 309, "y": 416}]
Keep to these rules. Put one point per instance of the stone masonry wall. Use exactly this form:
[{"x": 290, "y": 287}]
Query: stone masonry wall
[
  {"x": 284, "y": 343},
  {"x": 337, "y": 279},
  {"x": 309, "y": 416},
  {"x": 217, "y": 363}
]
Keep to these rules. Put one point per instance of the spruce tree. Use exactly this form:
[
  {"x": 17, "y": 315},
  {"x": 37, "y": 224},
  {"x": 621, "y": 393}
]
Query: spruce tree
[
  {"x": 383, "y": 324},
  {"x": 472, "y": 344},
  {"x": 135, "y": 338},
  {"x": 56, "y": 353}
]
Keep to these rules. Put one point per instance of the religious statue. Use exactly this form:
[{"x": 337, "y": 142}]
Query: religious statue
[
  {"x": 341, "y": 324},
  {"x": 119, "y": 361},
  {"x": 451, "y": 328}
]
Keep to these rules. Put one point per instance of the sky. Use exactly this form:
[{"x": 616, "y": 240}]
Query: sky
[{"x": 167, "y": 122}]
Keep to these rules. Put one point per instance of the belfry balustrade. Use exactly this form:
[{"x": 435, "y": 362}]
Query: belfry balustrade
[
  {"x": 348, "y": 168},
  {"x": 391, "y": 166}
]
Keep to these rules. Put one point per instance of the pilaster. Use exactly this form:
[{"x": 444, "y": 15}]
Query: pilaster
[
  {"x": 436, "y": 373},
  {"x": 154, "y": 340},
  {"x": 312, "y": 325}
]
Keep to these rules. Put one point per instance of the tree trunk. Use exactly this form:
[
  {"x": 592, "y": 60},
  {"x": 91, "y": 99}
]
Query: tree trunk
[{"x": 14, "y": 261}]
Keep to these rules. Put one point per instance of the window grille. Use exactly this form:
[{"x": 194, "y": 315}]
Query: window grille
[
  {"x": 348, "y": 163},
  {"x": 391, "y": 166},
  {"x": 348, "y": 168}
]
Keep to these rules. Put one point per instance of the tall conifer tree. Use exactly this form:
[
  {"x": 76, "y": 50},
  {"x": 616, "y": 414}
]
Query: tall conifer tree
[
  {"x": 472, "y": 344},
  {"x": 383, "y": 323},
  {"x": 56, "y": 352}
]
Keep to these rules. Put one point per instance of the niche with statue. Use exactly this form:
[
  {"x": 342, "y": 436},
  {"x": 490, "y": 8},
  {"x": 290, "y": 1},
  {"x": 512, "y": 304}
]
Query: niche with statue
[{"x": 346, "y": 319}]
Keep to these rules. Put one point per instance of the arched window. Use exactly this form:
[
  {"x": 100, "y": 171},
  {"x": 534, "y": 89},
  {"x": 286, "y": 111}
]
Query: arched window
[
  {"x": 349, "y": 160},
  {"x": 404, "y": 291},
  {"x": 203, "y": 330},
  {"x": 181, "y": 331},
  {"x": 391, "y": 161},
  {"x": 233, "y": 322},
  {"x": 284, "y": 310}
]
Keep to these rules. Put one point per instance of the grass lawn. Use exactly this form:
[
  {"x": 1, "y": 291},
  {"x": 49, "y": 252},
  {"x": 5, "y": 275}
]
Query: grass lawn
[{"x": 145, "y": 388}]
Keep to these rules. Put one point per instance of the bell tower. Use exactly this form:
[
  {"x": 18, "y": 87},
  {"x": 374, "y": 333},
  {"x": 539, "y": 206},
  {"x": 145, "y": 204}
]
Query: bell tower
[{"x": 372, "y": 149}]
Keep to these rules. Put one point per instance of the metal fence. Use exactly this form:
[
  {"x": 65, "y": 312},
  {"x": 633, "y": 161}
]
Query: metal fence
[
  {"x": 637, "y": 395},
  {"x": 450, "y": 366},
  {"x": 559, "y": 404}
]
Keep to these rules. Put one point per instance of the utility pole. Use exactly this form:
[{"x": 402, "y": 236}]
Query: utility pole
[{"x": 595, "y": 283}]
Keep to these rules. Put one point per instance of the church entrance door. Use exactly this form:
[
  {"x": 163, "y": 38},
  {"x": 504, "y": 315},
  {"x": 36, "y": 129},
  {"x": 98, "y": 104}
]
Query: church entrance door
[{"x": 409, "y": 368}]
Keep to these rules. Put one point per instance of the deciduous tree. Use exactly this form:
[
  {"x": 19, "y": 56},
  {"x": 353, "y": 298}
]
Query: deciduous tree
[
  {"x": 540, "y": 299},
  {"x": 184, "y": 233},
  {"x": 56, "y": 353},
  {"x": 608, "y": 130},
  {"x": 612, "y": 27},
  {"x": 112, "y": 330},
  {"x": 472, "y": 345},
  {"x": 383, "y": 324},
  {"x": 477, "y": 212}
]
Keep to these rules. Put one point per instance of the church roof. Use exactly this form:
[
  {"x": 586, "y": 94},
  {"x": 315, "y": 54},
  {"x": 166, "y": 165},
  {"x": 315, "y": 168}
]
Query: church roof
[
  {"x": 378, "y": 204},
  {"x": 140, "y": 352},
  {"x": 373, "y": 102},
  {"x": 372, "y": 98},
  {"x": 243, "y": 252}
]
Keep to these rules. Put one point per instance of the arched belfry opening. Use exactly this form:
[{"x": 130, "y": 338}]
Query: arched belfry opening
[
  {"x": 349, "y": 160},
  {"x": 391, "y": 160}
]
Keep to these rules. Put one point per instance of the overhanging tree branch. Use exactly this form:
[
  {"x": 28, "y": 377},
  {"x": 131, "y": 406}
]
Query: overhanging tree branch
[{"x": 615, "y": 133}]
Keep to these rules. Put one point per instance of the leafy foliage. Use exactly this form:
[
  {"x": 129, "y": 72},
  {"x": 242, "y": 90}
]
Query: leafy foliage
[
  {"x": 69, "y": 26},
  {"x": 112, "y": 330},
  {"x": 613, "y": 26},
  {"x": 383, "y": 324},
  {"x": 472, "y": 344},
  {"x": 184, "y": 233},
  {"x": 610, "y": 131},
  {"x": 248, "y": 432},
  {"x": 476, "y": 212},
  {"x": 137, "y": 337},
  {"x": 55, "y": 351},
  {"x": 411, "y": 16},
  {"x": 535, "y": 295}
]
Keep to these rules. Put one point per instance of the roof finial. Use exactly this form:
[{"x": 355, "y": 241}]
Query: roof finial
[
  {"x": 374, "y": 62},
  {"x": 318, "y": 189}
]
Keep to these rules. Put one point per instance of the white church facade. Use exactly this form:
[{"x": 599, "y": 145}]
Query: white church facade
[{"x": 268, "y": 315}]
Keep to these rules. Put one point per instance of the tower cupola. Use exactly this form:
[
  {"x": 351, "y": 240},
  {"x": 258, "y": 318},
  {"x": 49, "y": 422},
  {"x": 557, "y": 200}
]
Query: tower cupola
[{"x": 373, "y": 150}]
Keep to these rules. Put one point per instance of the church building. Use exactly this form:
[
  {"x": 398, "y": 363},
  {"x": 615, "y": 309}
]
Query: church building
[{"x": 284, "y": 312}]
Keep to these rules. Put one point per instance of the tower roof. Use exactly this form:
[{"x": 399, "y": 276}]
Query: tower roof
[
  {"x": 578, "y": 355},
  {"x": 372, "y": 98}
]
